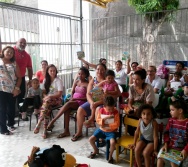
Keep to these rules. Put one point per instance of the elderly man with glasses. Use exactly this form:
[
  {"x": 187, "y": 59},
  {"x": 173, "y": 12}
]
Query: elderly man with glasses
[{"x": 153, "y": 79}]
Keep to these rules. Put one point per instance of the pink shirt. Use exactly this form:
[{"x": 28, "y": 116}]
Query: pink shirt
[{"x": 23, "y": 60}]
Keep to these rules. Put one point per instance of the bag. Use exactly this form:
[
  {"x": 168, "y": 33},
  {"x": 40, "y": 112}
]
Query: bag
[{"x": 163, "y": 71}]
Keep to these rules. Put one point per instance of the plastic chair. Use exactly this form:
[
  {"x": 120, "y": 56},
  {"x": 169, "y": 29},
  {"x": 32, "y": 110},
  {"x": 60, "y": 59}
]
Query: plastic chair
[
  {"x": 126, "y": 140},
  {"x": 29, "y": 113}
]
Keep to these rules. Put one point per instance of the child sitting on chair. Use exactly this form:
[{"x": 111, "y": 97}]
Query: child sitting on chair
[
  {"x": 148, "y": 130},
  {"x": 108, "y": 120},
  {"x": 33, "y": 98}
]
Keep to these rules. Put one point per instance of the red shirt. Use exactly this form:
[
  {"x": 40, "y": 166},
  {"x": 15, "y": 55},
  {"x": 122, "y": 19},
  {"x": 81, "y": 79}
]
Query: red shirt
[
  {"x": 23, "y": 60},
  {"x": 40, "y": 76},
  {"x": 176, "y": 134}
]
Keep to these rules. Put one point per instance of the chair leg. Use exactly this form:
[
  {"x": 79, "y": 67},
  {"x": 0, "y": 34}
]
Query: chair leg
[
  {"x": 117, "y": 153},
  {"x": 107, "y": 149},
  {"x": 30, "y": 122},
  {"x": 19, "y": 118},
  {"x": 131, "y": 157}
]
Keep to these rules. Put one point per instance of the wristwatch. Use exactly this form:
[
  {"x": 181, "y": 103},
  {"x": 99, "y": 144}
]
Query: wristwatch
[{"x": 17, "y": 88}]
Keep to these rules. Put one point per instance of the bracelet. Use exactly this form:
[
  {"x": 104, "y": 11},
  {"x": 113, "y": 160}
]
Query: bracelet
[{"x": 17, "y": 88}]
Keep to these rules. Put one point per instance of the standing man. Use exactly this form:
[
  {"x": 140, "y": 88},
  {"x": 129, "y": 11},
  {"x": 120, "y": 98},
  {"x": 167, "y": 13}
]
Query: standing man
[
  {"x": 23, "y": 60},
  {"x": 153, "y": 79}
]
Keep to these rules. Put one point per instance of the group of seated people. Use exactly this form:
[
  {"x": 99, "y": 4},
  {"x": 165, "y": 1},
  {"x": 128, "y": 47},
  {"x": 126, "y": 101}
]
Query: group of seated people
[{"x": 142, "y": 87}]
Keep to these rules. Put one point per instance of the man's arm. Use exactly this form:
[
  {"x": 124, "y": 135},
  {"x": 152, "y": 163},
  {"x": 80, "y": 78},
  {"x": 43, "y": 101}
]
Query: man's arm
[{"x": 30, "y": 72}]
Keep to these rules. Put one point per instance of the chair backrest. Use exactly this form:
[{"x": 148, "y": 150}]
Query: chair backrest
[{"x": 130, "y": 122}]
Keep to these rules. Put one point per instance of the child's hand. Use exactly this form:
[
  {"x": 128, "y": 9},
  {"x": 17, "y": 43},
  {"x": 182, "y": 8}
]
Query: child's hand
[
  {"x": 131, "y": 146},
  {"x": 184, "y": 154},
  {"x": 165, "y": 148}
]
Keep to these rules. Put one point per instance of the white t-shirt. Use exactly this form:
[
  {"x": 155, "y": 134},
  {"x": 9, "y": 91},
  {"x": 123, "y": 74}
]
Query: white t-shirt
[
  {"x": 57, "y": 85},
  {"x": 156, "y": 83},
  {"x": 121, "y": 76}
]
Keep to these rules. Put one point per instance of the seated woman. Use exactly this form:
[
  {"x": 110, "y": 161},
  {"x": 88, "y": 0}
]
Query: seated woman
[
  {"x": 78, "y": 97},
  {"x": 121, "y": 74},
  {"x": 86, "y": 108},
  {"x": 140, "y": 92},
  {"x": 41, "y": 73},
  {"x": 52, "y": 96}
]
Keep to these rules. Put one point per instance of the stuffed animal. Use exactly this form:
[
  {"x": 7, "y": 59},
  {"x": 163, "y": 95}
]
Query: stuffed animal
[{"x": 51, "y": 157}]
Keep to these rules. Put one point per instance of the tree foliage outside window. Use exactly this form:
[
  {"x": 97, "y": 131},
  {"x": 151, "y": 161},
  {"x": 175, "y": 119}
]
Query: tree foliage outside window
[
  {"x": 7, "y": 1},
  {"x": 155, "y": 12}
]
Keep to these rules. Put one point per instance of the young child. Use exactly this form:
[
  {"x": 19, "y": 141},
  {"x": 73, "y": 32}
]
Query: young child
[
  {"x": 176, "y": 132},
  {"x": 169, "y": 91},
  {"x": 110, "y": 88},
  {"x": 34, "y": 97},
  {"x": 108, "y": 120},
  {"x": 148, "y": 130}
]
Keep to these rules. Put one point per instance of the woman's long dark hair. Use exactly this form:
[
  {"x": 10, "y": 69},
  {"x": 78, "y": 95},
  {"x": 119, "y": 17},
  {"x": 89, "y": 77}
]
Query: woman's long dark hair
[{"x": 48, "y": 79}]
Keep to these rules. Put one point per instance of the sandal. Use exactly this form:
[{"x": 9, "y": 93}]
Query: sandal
[
  {"x": 50, "y": 128},
  {"x": 36, "y": 130},
  {"x": 61, "y": 135},
  {"x": 44, "y": 135},
  {"x": 75, "y": 138},
  {"x": 92, "y": 155}
]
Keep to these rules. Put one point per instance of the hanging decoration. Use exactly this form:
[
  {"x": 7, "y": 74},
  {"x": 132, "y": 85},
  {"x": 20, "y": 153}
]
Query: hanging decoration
[{"x": 101, "y": 3}]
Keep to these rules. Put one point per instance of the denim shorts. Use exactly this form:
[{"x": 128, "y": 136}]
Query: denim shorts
[
  {"x": 104, "y": 135},
  {"x": 144, "y": 140}
]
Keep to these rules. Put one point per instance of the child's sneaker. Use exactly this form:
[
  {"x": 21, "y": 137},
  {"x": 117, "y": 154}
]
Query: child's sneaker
[{"x": 36, "y": 111}]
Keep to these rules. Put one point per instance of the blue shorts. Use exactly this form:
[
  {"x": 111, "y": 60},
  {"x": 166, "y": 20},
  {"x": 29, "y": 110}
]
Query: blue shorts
[
  {"x": 104, "y": 135},
  {"x": 86, "y": 107},
  {"x": 144, "y": 140}
]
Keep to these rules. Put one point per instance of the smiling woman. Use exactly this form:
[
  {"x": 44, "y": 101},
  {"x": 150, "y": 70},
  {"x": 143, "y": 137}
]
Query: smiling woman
[{"x": 10, "y": 80}]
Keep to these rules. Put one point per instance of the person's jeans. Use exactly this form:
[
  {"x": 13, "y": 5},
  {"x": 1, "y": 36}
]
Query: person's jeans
[
  {"x": 7, "y": 110},
  {"x": 20, "y": 97}
]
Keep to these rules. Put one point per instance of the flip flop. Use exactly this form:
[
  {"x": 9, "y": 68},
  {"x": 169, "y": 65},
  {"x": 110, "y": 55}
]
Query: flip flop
[
  {"x": 75, "y": 138},
  {"x": 92, "y": 155},
  {"x": 61, "y": 135}
]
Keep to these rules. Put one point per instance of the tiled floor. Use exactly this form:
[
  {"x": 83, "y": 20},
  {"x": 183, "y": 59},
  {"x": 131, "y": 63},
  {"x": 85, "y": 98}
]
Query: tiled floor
[{"x": 14, "y": 149}]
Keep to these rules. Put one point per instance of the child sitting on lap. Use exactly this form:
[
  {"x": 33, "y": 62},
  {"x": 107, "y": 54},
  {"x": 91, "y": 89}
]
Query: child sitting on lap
[{"x": 108, "y": 120}]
